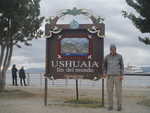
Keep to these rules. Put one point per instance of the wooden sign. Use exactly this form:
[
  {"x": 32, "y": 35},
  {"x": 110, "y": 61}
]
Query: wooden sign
[{"x": 74, "y": 50}]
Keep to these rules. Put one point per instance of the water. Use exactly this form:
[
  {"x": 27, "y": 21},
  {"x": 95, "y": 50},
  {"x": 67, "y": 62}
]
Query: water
[{"x": 37, "y": 80}]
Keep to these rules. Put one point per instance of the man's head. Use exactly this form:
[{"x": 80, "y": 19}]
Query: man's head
[{"x": 113, "y": 49}]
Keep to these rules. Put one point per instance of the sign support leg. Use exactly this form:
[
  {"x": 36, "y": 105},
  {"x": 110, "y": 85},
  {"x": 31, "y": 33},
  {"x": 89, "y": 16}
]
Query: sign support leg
[
  {"x": 45, "y": 91},
  {"x": 102, "y": 92},
  {"x": 77, "y": 90}
]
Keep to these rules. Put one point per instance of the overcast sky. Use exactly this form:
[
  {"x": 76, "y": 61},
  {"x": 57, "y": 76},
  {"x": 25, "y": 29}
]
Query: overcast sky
[{"x": 119, "y": 31}]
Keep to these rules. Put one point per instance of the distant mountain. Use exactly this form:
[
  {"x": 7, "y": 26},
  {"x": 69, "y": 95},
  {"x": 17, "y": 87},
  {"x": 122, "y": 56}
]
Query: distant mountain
[
  {"x": 35, "y": 70},
  {"x": 32, "y": 70}
]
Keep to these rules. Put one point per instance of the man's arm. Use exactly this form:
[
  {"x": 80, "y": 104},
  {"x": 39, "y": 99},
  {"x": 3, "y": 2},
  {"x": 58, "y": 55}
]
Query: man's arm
[
  {"x": 16, "y": 69},
  {"x": 121, "y": 69},
  {"x": 121, "y": 66}
]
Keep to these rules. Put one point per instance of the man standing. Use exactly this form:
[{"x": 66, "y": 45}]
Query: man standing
[
  {"x": 22, "y": 76},
  {"x": 113, "y": 70},
  {"x": 14, "y": 75}
]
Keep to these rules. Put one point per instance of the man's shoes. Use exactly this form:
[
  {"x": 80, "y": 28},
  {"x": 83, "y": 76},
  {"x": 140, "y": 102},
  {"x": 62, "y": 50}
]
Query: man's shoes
[
  {"x": 119, "y": 108},
  {"x": 110, "y": 108}
]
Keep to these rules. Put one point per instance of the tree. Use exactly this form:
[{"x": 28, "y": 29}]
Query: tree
[
  {"x": 19, "y": 22},
  {"x": 142, "y": 22}
]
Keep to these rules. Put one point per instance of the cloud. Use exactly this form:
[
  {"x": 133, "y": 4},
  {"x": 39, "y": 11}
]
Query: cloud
[
  {"x": 134, "y": 55},
  {"x": 30, "y": 56}
]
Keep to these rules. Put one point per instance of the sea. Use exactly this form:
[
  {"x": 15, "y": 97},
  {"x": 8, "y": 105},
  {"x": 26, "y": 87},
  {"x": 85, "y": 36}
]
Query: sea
[{"x": 37, "y": 80}]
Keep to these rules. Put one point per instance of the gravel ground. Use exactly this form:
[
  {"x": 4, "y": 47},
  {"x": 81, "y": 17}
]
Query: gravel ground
[{"x": 34, "y": 103}]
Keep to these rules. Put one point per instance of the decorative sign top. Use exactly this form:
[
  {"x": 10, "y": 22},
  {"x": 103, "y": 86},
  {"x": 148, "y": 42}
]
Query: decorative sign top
[
  {"x": 76, "y": 12},
  {"x": 91, "y": 28},
  {"x": 74, "y": 24}
]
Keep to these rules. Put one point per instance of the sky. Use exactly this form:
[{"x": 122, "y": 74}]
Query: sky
[{"x": 119, "y": 31}]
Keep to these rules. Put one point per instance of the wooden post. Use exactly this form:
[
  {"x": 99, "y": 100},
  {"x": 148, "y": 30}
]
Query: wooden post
[
  {"x": 77, "y": 90},
  {"x": 45, "y": 91},
  {"x": 102, "y": 92}
]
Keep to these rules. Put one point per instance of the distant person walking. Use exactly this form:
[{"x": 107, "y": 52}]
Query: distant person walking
[
  {"x": 22, "y": 76},
  {"x": 113, "y": 70},
  {"x": 14, "y": 75}
]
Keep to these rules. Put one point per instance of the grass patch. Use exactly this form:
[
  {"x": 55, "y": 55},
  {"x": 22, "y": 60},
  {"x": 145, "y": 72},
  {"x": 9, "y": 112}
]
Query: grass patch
[
  {"x": 145, "y": 102},
  {"x": 83, "y": 101},
  {"x": 11, "y": 94},
  {"x": 86, "y": 102}
]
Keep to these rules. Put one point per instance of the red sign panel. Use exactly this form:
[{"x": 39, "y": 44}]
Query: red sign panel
[{"x": 74, "y": 53}]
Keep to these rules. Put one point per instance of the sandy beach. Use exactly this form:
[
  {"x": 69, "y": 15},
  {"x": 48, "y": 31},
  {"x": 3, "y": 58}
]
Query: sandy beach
[{"x": 31, "y": 100}]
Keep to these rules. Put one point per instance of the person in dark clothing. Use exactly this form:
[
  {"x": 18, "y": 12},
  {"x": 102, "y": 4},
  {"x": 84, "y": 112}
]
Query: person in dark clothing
[
  {"x": 14, "y": 75},
  {"x": 22, "y": 76}
]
